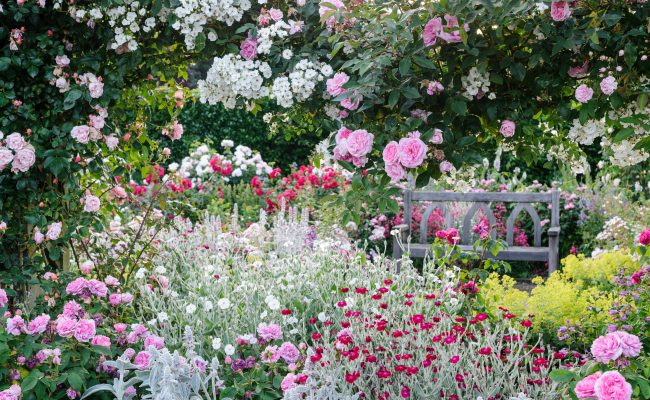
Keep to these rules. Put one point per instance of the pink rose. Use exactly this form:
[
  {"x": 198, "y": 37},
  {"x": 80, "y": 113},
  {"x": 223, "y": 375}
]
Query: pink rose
[
  {"x": 38, "y": 324},
  {"x": 80, "y": 133},
  {"x": 391, "y": 153},
  {"x": 351, "y": 105},
  {"x": 76, "y": 286},
  {"x": 91, "y": 203},
  {"x": 450, "y": 34},
  {"x": 177, "y": 131},
  {"x": 560, "y": 10},
  {"x": 343, "y": 133},
  {"x": 248, "y": 48},
  {"x": 630, "y": 344},
  {"x": 13, "y": 393},
  {"x": 111, "y": 281},
  {"x": 269, "y": 332},
  {"x": 98, "y": 288},
  {"x": 142, "y": 360},
  {"x": 431, "y": 31},
  {"x": 54, "y": 231},
  {"x": 335, "y": 84},
  {"x": 446, "y": 166},
  {"x": 155, "y": 341},
  {"x": 395, "y": 171},
  {"x": 360, "y": 143},
  {"x": 437, "y": 137},
  {"x": 579, "y": 72},
  {"x": 325, "y": 6},
  {"x": 6, "y": 156},
  {"x": 608, "y": 85},
  {"x": 644, "y": 237},
  {"x": 3, "y": 298},
  {"x": 114, "y": 299},
  {"x": 585, "y": 388},
  {"x": 65, "y": 327},
  {"x": 96, "y": 89},
  {"x": 289, "y": 382},
  {"x": 16, "y": 325},
  {"x": 111, "y": 142},
  {"x": 584, "y": 93},
  {"x": 62, "y": 61},
  {"x": 15, "y": 141},
  {"x": 38, "y": 236},
  {"x": 612, "y": 386},
  {"x": 412, "y": 152},
  {"x": 434, "y": 87},
  {"x": 119, "y": 327},
  {"x": 86, "y": 267},
  {"x": 101, "y": 340},
  {"x": 72, "y": 310},
  {"x": 507, "y": 128},
  {"x": 85, "y": 330},
  {"x": 607, "y": 348},
  {"x": 275, "y": 14},
  {"x": 24, "y": 159},
  {"x": 289, "y": 352}
]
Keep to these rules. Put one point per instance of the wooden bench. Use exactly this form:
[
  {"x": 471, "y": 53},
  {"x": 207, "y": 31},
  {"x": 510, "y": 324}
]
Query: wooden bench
[{"x": 482, "y": 201}]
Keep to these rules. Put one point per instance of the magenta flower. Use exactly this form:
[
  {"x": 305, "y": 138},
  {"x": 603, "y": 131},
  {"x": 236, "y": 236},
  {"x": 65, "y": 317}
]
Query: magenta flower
[
  {"x": 560, "y": 10},
  {"x": 585, "y": 388},
  {"x": 248, "y": 48},
  {"x": 38, "y": 324},
  {"x": 412, "y": 152},
  {"x": 508, "y": 128},
  {"x": 612, "y": 386},
  {"x": 607, "y": 348},
  {"x": 360, "y": 142},
  {"x": 608, "y": 85},
  {"x": 584, "y": 93}
]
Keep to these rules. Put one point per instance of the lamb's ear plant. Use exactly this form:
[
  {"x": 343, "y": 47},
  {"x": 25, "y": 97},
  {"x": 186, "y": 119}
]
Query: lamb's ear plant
[{"x": 120, "y": 387}]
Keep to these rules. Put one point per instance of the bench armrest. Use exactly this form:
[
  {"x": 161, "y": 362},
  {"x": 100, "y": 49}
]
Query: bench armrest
[
  {"x": 554, "y": 231},
  {"x": 401, "y": 227}
]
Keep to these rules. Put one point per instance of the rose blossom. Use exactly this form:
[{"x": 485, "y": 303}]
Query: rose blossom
[
  {"x": 3, "y": 298},
  {"x": 80, "y": 133},
  {"x": 248, "y": 48},
  {"x": 15, "y": 141},
  {"x": 585, "y": 388},
  {"x": 96, "y": 88},
  {"x": 289, "y": 352},
  {"x": 269, "y": 332},
  {"x": 85, "y": 330},
  {"x": 111, "y": 142},
  {"x": 579, "y": 72},
  {"x": 62, "y": 61},
  {"x": 101, "y": 340},
  {"x": 65, "y": 327},
  {"x": 54, "y": 231},
  {"x": 325, "y": 6},
  {"x": 24, "y": 159},
  {"x": 335, "y": 84},
  {"x": 507, "y": 128},
  {"x": 391, "y": 153},
  {"x": 91, "y": 203},
  {"x": 275, "y": 14},
  {"x": 437, "y": 137},
  {"x": 584, "y": 93},
  {"x": 351, "y": 105},
  {"x": 13, "y": 393},
  {"x": 412, "y": 152},
  {"x": 6, "y": 156},
  {"x": 446, "y": 166},
  {"x": 395, "y": 171},
  {"x": 155, "y": 341},
  {"x": 38, "y": 324},
  {"x": 607, "y": 348},
  {"x": 38, "y": 236},
  {"x": 15, "y": 325},
  {"x": 141, "y": 360},
  {"x": 608, "y": 85},
  {"x": 431, "y": 31},
  {"x": 560, "y": 10},
  {"x": 630, "y": 344},
  {"x": 360, "y": 142},
  {"x": 612, "y": 386},
  {"x": 86, "y": 267},
  {"x": 644, "y": 237},
  {"x": 434, "y": 87},
  {"x": 289, "y": 382}
]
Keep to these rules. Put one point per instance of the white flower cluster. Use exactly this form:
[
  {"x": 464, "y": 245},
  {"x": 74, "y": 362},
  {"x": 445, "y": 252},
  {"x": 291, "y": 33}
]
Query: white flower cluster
[
  {"x": 243, "y": 160},
  {"x": 476, "y": 85},
  {"x": 193, "y": 15},
  {"x": 623, "y": 153},
  {"x": 230, "y": 77},
  {"x": 615, "y": 229},
  {"x": 265, "y": 36},
  {"x": 587, "y": 133},
  {"x": 301, "y": 83},
  {"x": 189, "y": 17},
  {"x": 196, "y": 165}
]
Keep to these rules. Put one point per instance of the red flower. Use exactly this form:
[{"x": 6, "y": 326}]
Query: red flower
[
  {"x": 454, "y": 359},
  {"x": 350, "y": 378},
  {"x": 361, "y": 290},
  {"x": 644, "y": 238},
  {"x": 417, "y": 318},
  {"x": 486, "y": 351},
  {"x": 286, "y": 311},
  {"x": 406, "y": 392},
  {"x": 526, "y": 323}
]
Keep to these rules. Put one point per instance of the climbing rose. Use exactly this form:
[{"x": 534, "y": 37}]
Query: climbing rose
[
  {"x": 391, "y": 153},
  {"x": 80, "y": 133},
  {"x": 607, "y": 348},
  {"x": 395, "y": 171},
  {"x": 612, "y": 386},
  {"x": 560, "y": 10},
  {"x": 38, "y": 324},
  {"x": 360, "y": 143},
  {"x": 3, "y": 298},
  {"x": 6, "y": 156},
  {"x": 437, "y": 137},
  {"x": 630, "y": 344},
  {"x": 446, "y": 166},
  {"x": 431, "y": 31},
  {"x": 608, "y": 85},
  {"x": 584, "y": 93},
  {"x": 335, "y": 84},
  {"x": 85, "y": 330},
  {"x": 351, "y": 105},
  {"x": 91, "y": 203},
  {"x": 54, "y": 231},
  {"x": 585, "y": 388},
  {"x": 248, "y": 48},
  {"x": 24, "y": 159},
  {"x": 62, "y": 61},
  {"x": 644, "y": 238},
  {"x": 38, "y": 236},
  {"x": 507, "y": 128},
  {"x": 15, "y": 141},
  {"x": 412, "y": 152},
  {"x": 325, "y": 6}
]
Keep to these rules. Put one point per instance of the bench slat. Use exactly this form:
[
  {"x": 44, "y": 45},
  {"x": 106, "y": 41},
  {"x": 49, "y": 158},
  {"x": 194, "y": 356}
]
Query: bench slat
[
  {"x": 514, "y": 253},
  {"x": 505, "y": 197}
]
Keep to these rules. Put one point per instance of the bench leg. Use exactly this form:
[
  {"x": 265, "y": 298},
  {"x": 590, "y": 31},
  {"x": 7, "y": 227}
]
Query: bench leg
[
  {"x": 553, "y": 250},
  {"x": 397, "y": 253}
]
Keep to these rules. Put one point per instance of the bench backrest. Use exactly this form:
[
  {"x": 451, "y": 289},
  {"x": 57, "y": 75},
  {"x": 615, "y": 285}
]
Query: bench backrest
[{"x": 481, "y": 201}]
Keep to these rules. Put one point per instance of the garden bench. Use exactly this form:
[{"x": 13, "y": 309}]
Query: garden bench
[{"x": 482, "y": 201}]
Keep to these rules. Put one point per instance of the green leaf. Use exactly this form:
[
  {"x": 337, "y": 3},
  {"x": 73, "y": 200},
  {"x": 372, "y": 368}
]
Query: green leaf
[
  {"x": 424, "y": 62},
  {"x": 562, "y": 375},
  {"x": 623, "y": 134},
  {"x": 518, "y": 71},
  {"x": 405, "y": 66},
  {"x": 630, "y": 54},
  {"x": 458, "y": 106},
  {"x": 71, "y": 98},
  {"x": 5, "y": 62},
  {"x": 393, "y": 98},
  {"x": 31, "y": 380},
  {"x": 411, "y": 93},
  {"x": 75, "y": 381}
]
